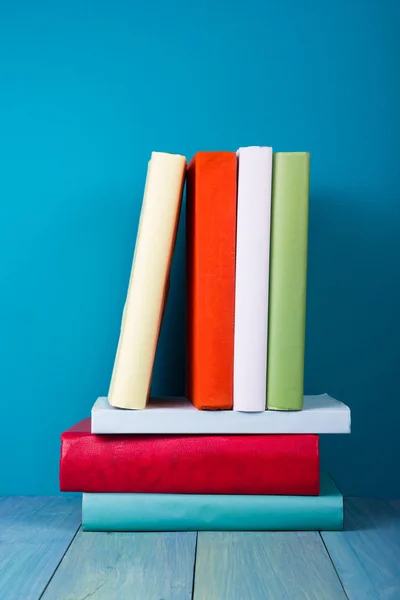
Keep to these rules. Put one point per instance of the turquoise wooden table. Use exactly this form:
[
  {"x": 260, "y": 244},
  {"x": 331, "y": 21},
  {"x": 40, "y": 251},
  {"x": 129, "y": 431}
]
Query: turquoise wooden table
[{"x": 44, "y": 554}]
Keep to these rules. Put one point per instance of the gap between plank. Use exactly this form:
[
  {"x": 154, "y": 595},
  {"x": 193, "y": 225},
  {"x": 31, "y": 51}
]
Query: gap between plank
[
  {"x": 59, "y": 562},
  {"x": 333, "y": 565},
  {"x": 194, "y": 563}
]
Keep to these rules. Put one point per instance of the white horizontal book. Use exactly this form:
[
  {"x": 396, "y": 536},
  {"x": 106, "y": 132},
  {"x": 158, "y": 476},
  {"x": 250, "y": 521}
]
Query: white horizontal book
[
  {"x": 321, "y": 414},
  {"x": 252, "y": 278},
  {"x": 142, "y": 315}
]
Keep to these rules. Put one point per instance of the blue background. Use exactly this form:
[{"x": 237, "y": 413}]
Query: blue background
[{"x": 88, "y": 90}]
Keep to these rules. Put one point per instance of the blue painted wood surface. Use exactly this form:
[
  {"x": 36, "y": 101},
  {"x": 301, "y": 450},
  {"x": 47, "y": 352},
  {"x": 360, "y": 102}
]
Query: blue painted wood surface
[
  {"x": 367, "y": 553},
  {"x": 41, "y": 559},
  {"x": 264, "y": 565},
  {"x": 124, "y": 566},
  {"x": 35, "y": 533}
]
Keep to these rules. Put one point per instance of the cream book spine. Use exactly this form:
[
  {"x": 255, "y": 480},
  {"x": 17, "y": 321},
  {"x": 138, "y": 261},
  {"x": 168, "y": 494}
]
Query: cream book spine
[
  {"x": 148, "y": 284},
  {"x": 252, "y": 278}
]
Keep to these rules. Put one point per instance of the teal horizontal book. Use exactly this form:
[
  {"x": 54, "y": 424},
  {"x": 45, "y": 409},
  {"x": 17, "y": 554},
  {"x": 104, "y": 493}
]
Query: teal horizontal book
[{"x": 184, "y": 512}]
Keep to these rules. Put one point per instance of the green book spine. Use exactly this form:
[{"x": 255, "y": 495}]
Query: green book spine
[
  {"x": 194, "y": 512},
  {"x": 288, "y": 279}
]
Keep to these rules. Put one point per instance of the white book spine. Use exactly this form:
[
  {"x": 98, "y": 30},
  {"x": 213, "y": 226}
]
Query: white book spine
[
  {"x": 143, "y": 311},
  {"x": 252, "y": 278}
]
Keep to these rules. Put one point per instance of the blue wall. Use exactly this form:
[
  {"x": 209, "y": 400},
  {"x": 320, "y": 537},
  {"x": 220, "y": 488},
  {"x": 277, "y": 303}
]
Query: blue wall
[{"x": 87, "y": 91}]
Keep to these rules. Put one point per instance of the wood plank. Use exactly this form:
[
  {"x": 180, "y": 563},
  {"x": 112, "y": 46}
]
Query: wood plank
[
  {"x": 35, "y": 532},
  {"x": 264, "y": 565},
  {"x": 147, "y": 566},
  {"x": 367, "y": 553}
]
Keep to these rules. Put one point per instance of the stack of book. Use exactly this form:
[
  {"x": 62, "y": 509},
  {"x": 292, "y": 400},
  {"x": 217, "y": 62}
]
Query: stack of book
[{"x": 241, "y": 452}]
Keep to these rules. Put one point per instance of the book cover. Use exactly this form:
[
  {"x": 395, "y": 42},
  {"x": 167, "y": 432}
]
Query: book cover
[
  {"x": 288, "y": 277},
  {"x": 252, "y": 278},
  {"x": 184, "y": 464},
  {"x": 211, "y": 242},
  {"x": 148, "y": 285},
  {"x": 183, "y": 512},
  {"x": 320, "y": 414}
]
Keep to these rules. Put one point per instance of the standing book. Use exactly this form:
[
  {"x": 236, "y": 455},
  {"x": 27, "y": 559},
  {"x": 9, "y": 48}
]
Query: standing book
[
  {"x": 142, "y": 315},
  {"x": 288, "y": 278},
  {"x": 252, "y": 278},
  {"x": 211, "y": 243}
]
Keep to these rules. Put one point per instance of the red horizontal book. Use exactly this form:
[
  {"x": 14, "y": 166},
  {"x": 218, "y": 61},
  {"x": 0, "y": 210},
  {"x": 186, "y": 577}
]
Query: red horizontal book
[{"x": 182, "y": 464}]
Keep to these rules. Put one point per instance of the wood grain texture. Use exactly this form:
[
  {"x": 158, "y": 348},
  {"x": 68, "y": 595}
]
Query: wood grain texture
[
  {"x": 35, "y": 532},
  {"x": 264, "y": 565},
  {"x": 122, "y": 566},
  {"x": 367, "y": 553}
]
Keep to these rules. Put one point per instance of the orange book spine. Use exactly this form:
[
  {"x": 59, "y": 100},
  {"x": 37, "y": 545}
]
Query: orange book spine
[{"x": 210, "y": 279}]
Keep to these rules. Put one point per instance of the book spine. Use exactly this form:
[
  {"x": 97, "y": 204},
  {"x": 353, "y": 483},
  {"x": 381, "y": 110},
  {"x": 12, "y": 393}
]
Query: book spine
[
  {"x": 148, "y": 285},
  {"x": 288, "y": 275},
  {"x": 272, "y": 464},
  {"x": 211, "y": 242},
  {"x": 252, "y": 278},
  {"x": 320, "y": 414},
  {"x": 174, "y": 512}
]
